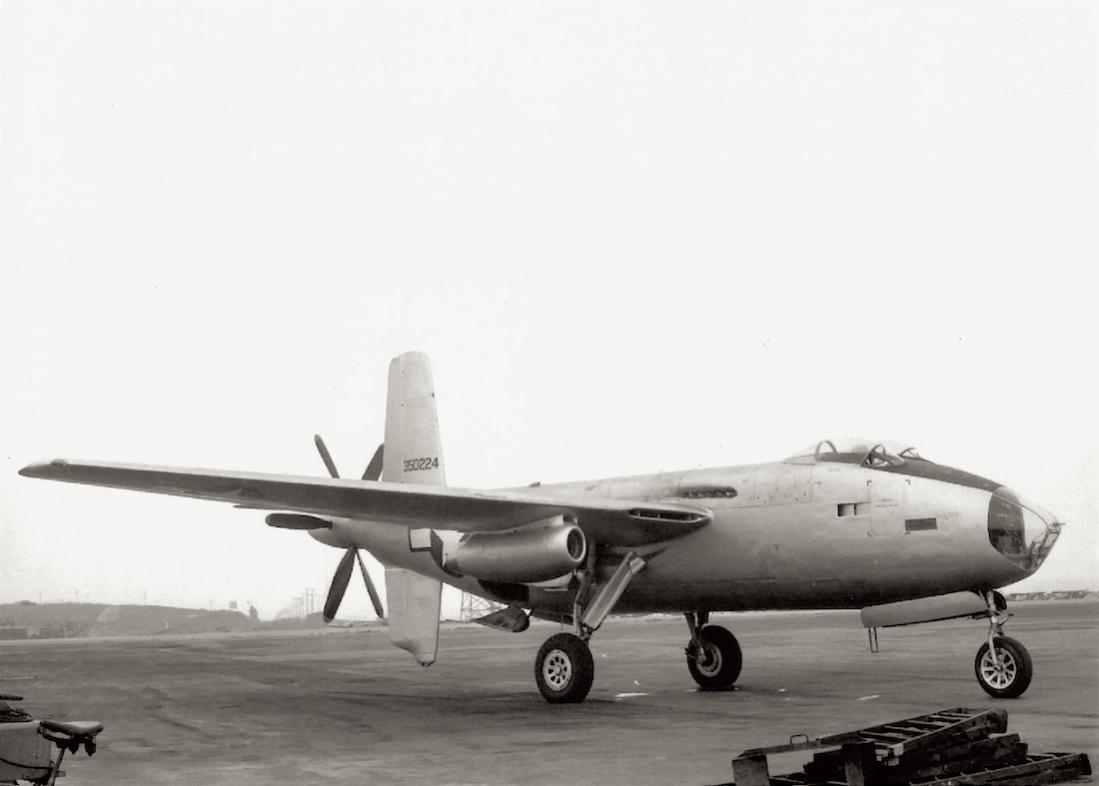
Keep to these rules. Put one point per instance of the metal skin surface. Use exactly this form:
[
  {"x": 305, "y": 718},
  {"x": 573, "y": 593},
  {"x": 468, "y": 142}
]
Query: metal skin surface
[{"x": 778, "y": 544}]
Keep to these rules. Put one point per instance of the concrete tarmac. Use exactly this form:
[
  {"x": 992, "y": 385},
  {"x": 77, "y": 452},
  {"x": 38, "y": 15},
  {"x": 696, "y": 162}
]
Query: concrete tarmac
[{"x": 343, "y": 706}]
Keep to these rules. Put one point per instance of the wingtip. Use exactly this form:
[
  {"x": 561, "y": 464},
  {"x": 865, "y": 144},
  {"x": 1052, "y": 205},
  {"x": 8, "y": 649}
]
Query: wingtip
[{"x": 43, "y": 469}]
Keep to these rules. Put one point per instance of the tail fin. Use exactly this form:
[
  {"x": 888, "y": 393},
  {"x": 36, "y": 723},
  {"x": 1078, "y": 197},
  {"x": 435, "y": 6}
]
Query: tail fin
[
  {"x": 413, "y": 451},
  {"x": 413, "y": 454}
]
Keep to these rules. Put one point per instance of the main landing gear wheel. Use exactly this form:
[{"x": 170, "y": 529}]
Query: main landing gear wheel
[
  {"x": 564, "y": 669},
  {"x": 714, "y": 663},
  {"x": 1005, "y": 673}
]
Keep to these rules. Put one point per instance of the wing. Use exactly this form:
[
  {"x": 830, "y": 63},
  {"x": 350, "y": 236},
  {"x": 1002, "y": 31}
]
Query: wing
[{"x": 612, "y": 521}]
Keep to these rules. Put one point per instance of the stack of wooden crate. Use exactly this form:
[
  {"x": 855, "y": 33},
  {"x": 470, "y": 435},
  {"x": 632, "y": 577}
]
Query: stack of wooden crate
[{"x": 954, "y": 747}]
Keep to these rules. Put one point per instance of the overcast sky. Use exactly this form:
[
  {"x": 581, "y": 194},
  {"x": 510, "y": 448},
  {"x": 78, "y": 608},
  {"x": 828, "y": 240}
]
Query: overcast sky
[{"x": 631, "y": 236}]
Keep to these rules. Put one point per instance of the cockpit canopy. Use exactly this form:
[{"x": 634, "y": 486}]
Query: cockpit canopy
[{"x": 854, "y": 450}]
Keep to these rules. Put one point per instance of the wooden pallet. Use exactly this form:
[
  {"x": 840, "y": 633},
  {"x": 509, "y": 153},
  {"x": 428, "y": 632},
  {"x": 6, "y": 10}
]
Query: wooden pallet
[
  {"x": 1039, "y": 768},
  {"x": 1036, "y": 768},
  {"x": 946, "y": 748}
]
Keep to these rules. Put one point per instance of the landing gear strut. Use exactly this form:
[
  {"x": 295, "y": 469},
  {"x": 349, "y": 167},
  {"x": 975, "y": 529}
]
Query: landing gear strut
[
  {"x": 564, "y": 668},
  {"x": 1002, "y": 665},
  {"x": 713, "y": 653}
]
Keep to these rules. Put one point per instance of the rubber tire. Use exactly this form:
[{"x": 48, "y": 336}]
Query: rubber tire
[
  {"x": 1023, "y": 674},
  {"x": 579, "y": 657},
  {"x": 728, "y": 649}
]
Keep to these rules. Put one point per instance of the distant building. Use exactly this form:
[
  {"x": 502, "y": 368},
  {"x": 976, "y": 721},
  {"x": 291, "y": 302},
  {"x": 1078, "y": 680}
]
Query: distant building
[
  {"x": 12, "y": 632},
  {"x": 1054, "y": 595}
]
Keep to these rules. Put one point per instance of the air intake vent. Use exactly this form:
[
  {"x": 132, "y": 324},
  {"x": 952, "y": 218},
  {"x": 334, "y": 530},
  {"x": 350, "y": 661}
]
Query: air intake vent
[
  {"x": 708, "y": 492},
  {"x": 648, "y": 514}
]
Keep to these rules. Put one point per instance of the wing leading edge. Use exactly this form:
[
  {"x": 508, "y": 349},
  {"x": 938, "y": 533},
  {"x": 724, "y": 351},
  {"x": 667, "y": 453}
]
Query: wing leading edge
[{"x": 611, "y": 521}]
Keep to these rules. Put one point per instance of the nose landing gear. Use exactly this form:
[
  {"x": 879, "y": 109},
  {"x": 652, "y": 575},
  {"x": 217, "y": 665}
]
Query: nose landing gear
[{"x": 1003, "y": 666}]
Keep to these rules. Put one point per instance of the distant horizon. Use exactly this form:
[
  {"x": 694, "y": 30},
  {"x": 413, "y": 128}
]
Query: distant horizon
[{"x": 370, "y": 618}]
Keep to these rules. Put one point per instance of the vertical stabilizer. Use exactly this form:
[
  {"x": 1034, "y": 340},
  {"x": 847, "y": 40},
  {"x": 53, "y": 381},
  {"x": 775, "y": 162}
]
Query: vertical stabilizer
[
  {"x": 413, "y": 454},
  {"x": 413, "y": 451}
]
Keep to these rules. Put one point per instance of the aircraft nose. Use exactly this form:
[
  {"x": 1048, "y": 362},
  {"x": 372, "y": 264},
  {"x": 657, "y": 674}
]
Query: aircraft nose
[{"x": 1022, "y": 532}]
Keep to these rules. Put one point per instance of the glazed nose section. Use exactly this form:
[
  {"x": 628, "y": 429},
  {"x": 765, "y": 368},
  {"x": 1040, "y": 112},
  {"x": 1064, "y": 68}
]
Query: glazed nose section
[{"x": 1022, "y": 532}]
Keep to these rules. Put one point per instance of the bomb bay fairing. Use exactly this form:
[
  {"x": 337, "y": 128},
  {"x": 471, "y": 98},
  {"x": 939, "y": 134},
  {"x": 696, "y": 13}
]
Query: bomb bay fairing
[{"x": 843, "y": 524}]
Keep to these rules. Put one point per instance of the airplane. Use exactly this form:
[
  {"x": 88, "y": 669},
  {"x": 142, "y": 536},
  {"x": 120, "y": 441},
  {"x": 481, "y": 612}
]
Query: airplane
[{"x": 843, "y": 524}]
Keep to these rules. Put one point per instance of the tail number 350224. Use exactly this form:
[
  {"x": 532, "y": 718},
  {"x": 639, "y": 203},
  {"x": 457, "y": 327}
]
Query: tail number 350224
[{"x": 417, "y": 464}]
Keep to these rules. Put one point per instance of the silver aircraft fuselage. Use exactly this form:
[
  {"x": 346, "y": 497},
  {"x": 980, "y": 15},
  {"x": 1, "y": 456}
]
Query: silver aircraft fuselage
[{"x": 815, "y": 531}]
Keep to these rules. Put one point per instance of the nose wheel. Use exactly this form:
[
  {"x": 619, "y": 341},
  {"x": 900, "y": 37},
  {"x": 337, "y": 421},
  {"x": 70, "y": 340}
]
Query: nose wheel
[
  {"x": 1003, "y": 666},
  {"x": 1003, "y": 670}
]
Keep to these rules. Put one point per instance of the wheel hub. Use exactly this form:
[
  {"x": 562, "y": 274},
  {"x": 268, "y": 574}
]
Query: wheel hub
[
  {"x": 557, "y": 669},
  {"x": 999, "y": 675},
  {"x": 708, "y": 659}
]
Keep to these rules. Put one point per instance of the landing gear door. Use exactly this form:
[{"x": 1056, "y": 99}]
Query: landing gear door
[{"x": 888, "y": 500}]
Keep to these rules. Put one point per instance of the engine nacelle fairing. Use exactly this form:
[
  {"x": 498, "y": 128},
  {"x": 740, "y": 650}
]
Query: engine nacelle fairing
[{"x": 540, "y": 551}]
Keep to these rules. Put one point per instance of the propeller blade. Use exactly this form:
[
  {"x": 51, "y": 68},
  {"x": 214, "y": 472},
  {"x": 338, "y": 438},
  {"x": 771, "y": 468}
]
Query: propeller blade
[
  {"x": 370, "y": 585},
  {"x": 326, "y": 457},
  {"x": 339, "y": 585},
  {"x": 374, "y": 468}
]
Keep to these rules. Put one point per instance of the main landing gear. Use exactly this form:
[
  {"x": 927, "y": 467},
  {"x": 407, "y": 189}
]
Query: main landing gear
[
  {"x": 564, "y": 668},
  {"x": 713, "y": 653},
  {"x": 1002, "y": 665}
]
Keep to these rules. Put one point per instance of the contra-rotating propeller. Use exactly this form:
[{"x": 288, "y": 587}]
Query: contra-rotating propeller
[{"x": 347, "y": 563}]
